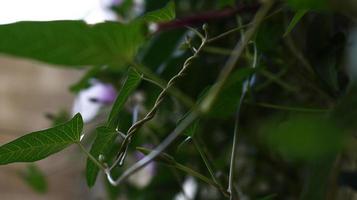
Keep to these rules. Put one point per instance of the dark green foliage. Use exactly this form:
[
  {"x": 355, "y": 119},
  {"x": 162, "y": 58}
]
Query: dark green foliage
[
  {"x": 162, "y": 15},
  {"x": 295, "y": 20},
  {"x": 129, "y": 86},
  {"x": 304, "y": 137},
  {"x": 228, "y": 99},
  {"x": 102, "y": 144},
  {"x": 35, "y": 178}
]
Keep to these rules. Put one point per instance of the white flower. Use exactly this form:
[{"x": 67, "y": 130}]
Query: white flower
[
  {"x": 139, "y": 7},
  {"x": 89, "y": 101},
  {"x": 189, "y": 190}
]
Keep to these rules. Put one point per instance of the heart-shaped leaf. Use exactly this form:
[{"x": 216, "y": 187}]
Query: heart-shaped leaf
[
  {"x": 73, "y": 43},
  {"x": 41, "y": 144}
]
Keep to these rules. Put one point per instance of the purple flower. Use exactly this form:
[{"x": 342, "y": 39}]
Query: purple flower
[
  {"x": 89, "y": 101},
  {"x": 116, "y": 2},
  {"x": 144, "y": 176}
]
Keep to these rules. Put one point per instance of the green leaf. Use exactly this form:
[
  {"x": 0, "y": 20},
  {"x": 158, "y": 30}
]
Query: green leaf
[
  {"x": 191, "y": 130},
  {"x": 41, "y": 144},
  {"x": 34, "y": 177},
  {"x": 228, "y": 99},
  {"x": 297, "y": 17},
  {"x": 73, "y": 43},
  {"x": 304, "y": 137},
  {"x": 132, "y": 82},
  {"x": 101, "y": 146},
  {"x": 164, "y": 14}
]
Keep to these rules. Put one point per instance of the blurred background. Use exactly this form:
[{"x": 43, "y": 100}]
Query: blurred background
[
  {"x": 29, "y": 90},
  {"x": 289, "y": 144}
]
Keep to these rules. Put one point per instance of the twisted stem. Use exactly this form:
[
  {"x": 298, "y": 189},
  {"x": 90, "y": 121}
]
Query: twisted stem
[{"x": 151, "y": 114}]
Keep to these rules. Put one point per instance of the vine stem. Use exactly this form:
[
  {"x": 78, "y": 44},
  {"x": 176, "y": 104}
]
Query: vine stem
[
  {"x": 201, "y": 177},
  {"x": 91, "y": 157},
  {"x": 235, "y": 143},
  {"x": 153, "y": 78},
  {"x": 207, "y": 102},
  {"x": 237, "y": 52},
  {"x": 137, "y": 125},
  {"x": 207, "y": 17},
  {"x": 246, "y": 86},
  {"x": 287, "y": 108},
  {"x": 152, "y": 155},
  {"x": 205, "y": 159}
]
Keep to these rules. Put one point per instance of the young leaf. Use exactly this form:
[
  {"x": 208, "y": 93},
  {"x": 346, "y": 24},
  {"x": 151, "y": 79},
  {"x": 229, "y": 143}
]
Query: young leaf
[
  {"x": 41, "y": 144},
  {"x": 131, "y": 83},
  {"x": 228, "y": 99},
  {"x": 101, "y": 146},
  {"x": 297, "y": 17},
  {"x": 34, "y": 177},
  {"x": 73, "y": 43},
  {"x": 164, "y": 14}
]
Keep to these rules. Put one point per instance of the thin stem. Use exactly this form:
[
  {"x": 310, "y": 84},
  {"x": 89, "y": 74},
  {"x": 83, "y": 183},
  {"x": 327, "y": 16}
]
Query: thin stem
[
  {"x": 227, "y": 33},
  {"x": 153, "y": 154},
  {"x": 307, "y": 65},
  {"x": 201, "y": 177},
  {"x": 269, "y": 81},
  {"x": 234, "y": 146},
  {"x": 207, "y": 17},
  {"x": 218, "y": 50},
  {"x": 278, "y": 81},
  {"x": 246, "y": 87},
  {"x": 298, "y": 54},
  {"x": 91, "y": 157},
  {"x": 287, "y": 108},
  {"x": 205, "y": 159},
  {"x": 194, "y": 114},
  {"x": 238, "y": 51},
  {"x": 187, "y": 101},
  {"x": 153, "y": 82},
  {"x": 239, "y": 28}
]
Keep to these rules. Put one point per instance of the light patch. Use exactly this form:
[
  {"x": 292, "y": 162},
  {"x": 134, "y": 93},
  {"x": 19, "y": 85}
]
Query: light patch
[
  {"x": 189, "y": 190},
  {"x": 89, "y": 101},
  {"x": 92, "y": 11}
]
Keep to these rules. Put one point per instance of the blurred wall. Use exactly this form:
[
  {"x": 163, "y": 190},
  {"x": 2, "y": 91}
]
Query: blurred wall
[{"x": 28, "y": 90}]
